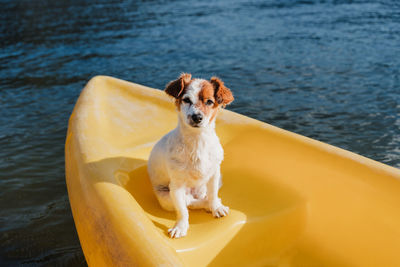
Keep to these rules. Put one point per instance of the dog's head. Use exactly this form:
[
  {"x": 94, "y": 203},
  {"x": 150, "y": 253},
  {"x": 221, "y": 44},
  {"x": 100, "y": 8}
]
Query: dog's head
[{"x": 198, "y": 100}]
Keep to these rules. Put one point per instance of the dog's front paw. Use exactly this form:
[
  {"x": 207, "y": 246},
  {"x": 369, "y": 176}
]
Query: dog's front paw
[
  {"x": 221, "y": 211},
  {"x": 179, "y": 230}
]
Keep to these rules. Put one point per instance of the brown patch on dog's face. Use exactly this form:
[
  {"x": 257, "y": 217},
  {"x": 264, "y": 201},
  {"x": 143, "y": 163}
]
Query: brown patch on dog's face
[
  {"x": 177, "y": 87},
  {"x": 207, "y": 103}
]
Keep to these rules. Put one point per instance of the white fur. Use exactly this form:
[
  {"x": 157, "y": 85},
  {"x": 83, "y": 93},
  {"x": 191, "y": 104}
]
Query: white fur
[{"x": 184, "y": 166}]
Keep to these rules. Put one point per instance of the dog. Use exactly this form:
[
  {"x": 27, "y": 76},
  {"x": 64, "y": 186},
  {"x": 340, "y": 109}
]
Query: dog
[{"x": 184, "y": 166}]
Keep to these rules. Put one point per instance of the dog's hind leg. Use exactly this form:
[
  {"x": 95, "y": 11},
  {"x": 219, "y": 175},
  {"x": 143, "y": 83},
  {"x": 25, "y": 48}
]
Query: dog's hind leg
[
  {"x": 192, "y": 201},
  {"x": 199, "y": 204},
  {"x": 163, "y": 197}
]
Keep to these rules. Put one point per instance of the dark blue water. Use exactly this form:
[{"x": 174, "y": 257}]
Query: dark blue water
[{"x": 329, "y": 70}]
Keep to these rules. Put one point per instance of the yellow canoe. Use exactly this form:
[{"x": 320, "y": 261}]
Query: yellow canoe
[{"x": 294, "y": 201}]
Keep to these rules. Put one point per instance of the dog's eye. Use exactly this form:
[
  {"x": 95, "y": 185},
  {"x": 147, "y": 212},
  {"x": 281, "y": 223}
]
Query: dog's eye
[
  {"x": 209, "y": 102},
  {"x": 187, "y": 100}
]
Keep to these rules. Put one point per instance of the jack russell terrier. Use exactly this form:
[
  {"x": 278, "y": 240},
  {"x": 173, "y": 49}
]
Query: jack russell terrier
[{"x": 184, "y": 166}]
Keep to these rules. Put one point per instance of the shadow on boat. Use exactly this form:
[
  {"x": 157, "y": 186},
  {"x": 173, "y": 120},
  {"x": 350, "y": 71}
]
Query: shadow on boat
[{"x": 266, "y": 219}]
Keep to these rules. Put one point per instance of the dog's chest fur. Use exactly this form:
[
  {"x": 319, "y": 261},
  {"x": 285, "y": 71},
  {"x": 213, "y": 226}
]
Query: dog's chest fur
[{"x": 197, "y": 156}]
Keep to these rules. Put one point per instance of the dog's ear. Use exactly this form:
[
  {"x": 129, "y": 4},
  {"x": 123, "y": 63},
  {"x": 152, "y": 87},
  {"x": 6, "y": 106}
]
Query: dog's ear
[
  {"x": 221, "y": 93},
  {"x": 175, "y": 88}
]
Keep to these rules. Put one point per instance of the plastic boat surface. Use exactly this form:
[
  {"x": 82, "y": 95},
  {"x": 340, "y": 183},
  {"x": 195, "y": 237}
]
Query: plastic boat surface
[{"x": 293, "y": 201}]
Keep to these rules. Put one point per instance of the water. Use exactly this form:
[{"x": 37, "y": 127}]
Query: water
[{"x": 329, "y": 70}]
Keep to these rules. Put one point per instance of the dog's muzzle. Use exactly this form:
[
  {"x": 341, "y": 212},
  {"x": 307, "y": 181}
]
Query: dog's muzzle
[{"x": 196, "y": 119}]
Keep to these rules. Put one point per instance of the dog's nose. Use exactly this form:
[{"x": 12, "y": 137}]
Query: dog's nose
[{"x": 197, "y": 118}]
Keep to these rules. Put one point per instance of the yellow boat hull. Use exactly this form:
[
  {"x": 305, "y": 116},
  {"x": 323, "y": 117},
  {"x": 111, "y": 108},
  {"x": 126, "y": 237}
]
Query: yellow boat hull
[{"x": 293, "y": 201}]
